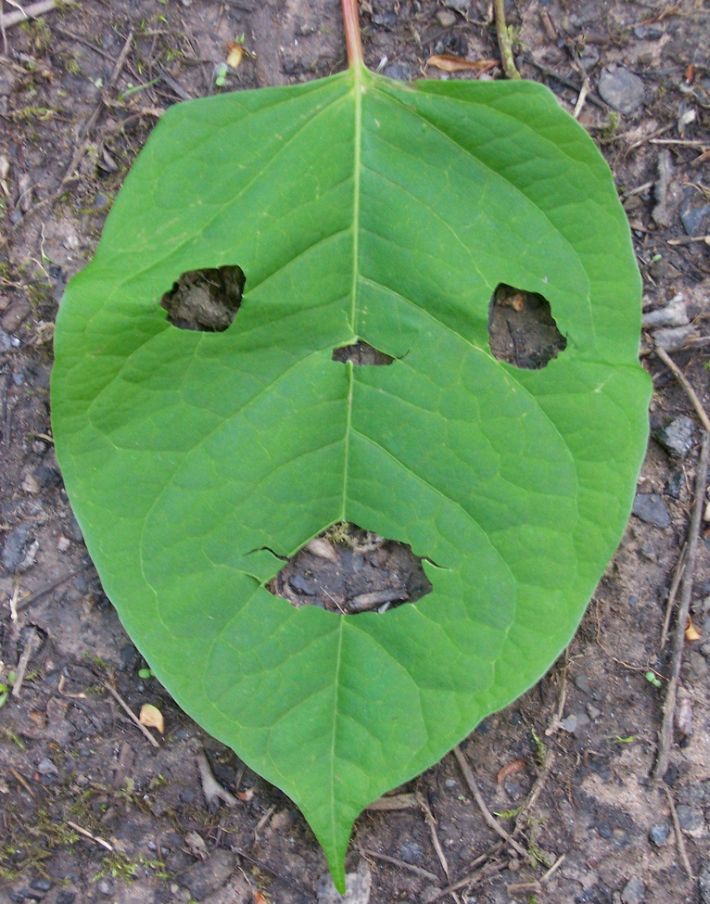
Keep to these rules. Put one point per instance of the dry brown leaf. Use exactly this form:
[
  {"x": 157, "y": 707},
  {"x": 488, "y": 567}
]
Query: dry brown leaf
[
  {"x": 509, "y": 769},
  {"x": 152, "y": 717},
  {"x": 447, "y": 62},
  {"x": 691, "y": 632},
  {"x": 260, "y": 899},
  {"x": 235, "y": 55}
]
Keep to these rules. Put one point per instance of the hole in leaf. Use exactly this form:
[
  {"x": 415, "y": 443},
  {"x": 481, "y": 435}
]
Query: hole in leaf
[
  {"x": 350, "y": 570},
  {"x": 361, "y": 353},
  {"x": 205, "y": 300},
  {"x": 521, "y": 328}
]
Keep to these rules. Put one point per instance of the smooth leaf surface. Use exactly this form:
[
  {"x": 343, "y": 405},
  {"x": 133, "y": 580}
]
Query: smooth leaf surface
[{"x": 358, "y": 208}]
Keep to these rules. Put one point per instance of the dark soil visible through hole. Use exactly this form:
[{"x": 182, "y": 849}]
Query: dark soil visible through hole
[
  {"x": 205, "y": 300},
  {"x": 521, "y": 328},
  {"x": 350, "y": 570},
  {"x": 361, "y": 353}
]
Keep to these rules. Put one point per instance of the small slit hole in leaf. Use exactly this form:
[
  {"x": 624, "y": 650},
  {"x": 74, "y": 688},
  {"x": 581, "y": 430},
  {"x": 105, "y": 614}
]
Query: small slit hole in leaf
[
  {"x": 350, "y": 570},
  {"x": 360, "y": 353},
  {"x": 205, "y": 300},
  {"x": 521, "y": 328}
]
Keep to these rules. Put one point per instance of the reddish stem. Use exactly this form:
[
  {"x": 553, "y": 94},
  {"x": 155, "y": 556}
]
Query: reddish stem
[{"x": 353, "y": 42}]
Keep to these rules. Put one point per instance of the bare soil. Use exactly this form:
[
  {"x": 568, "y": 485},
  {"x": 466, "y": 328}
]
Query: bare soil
[{"x": 91, "y": 810}]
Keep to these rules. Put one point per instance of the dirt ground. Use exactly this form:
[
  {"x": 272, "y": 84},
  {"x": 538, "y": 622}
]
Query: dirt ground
[{"x": 91, "y": 810}]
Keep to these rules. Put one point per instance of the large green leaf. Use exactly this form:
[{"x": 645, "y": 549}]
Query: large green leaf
[{"x": 358, "y": 208}]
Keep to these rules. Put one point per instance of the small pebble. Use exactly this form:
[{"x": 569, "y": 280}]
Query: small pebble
[
  {"x": 678, "y": 437},
  {"x": 17, "y": 548},
  {"x": 649, "y": 507},
  {"x": 446, "y": 18},
  {"x": 104, "y": 887},
  {"x": 411, "y": 852},
  {"x": 401, "y": 72},
  {"x": 691, "y": 819},
  {"x": 634, "y": 892},
  {"x": 659, "y": 834},
  {"x": 461, "y": 6},
  {"x": 63, "y": 544},
  {"x": 41, "y": 884},
  {"x": 593, "y": 711},
  {"x": 621, "y": 89},
  {"x": 674, "y": 484},
  {"x": 694, "y": 214},
  {"x": 46, "y": 767}
]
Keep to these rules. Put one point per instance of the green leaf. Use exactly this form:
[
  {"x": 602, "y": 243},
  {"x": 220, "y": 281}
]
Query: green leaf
[{"x": 358, "y": 208}]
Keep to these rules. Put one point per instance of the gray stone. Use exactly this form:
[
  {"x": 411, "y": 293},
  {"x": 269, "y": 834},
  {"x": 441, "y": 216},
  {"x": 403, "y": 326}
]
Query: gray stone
[
  {"x": 46, "y": 767},
  {"x": 357, "y": 887},
  {"x": 659, "y": 834},
  {"x": 446, "y": 18},
  {"x": 678, "y": 437},
  {"x": 461, "y": 6},
  {"x": 401, "y": 72},
  {"x": 621, "y": 89},
  {"x": 694, "y": 213},
  {"x": 16, "y": 552},
  {"x": 411, "y": 852},
  {"x": 691, "y": 819},
  {"x": 5, "y": 341},
  {"x": 649, "y": 507},
  {"x": 634, "y": 892},
  {"x": 202, "y": 879}
]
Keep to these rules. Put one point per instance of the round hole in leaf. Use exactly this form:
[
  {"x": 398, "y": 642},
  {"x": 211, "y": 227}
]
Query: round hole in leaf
[
  {"x": 349, "y": 570},
  {"x": 360, "y": 353},
  {"x": 521, "y": 328},
  {"x": 205, "y": 300}
]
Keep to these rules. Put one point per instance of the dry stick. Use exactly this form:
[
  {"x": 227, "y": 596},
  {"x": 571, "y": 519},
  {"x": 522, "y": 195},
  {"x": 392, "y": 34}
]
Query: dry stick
[
  {"x": 471, "y": 879},
  {"x": 431, "y": 823},
  {"x": 666, "y": 733},
  {"x": 672, "y": 593},
  {"x": 87, "y": 834},
  {"x": 680, "y": 841},
  {"x": 28, "y": 601},
  {"x": 33, "y": 643},
  {"x": 28, "y": 12},
  {"x": 131, "y": 715},
  {"x": 402, "y": 864},
  {"x": 683, "y": 380},
  {"x": 491, "y": 821},
  {"x": 504, "y": 42},
  {"x": 211, "y": 788}
]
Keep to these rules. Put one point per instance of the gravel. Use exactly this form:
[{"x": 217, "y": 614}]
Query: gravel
[{"x": 678, "y": 437}]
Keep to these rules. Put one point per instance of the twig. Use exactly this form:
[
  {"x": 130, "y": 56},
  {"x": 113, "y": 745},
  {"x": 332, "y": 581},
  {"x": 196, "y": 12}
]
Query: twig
[
  {"x": 31, "y": 646},
  {"x": 679, "y": 141},
  {"x": 87, "y": 834},
  {"x": 402, "y": 864},
  {"x": 131, "y": 715},
  {"x": 689, "y": 240},
  {"x": 680, "y": 841},
  {"x": 565, "y": 82},
  {"x": 583, "y": 92},
  {"x": 666, "y": 733},
  {"x": 504, "y": 42},
  {"x": 28, "y": 12},
  {"x": 211, "y": 788},
  {"x": 490, "y": 820},
  {"x": 431, "y": 823},
  {"x": 30, "y": 600},
  {"x": 683, "y": 380},
  {"x": 673, "y": 591},
  {"x": 471, "y": 879},
  {"x": 395, "y": 802}
]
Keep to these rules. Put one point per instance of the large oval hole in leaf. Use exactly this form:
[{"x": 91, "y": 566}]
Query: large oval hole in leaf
[
  {"x": 205, "y": 300},
  {"x": 350, "y": 570},
  {"x": 521, "y": 328},
  {"x": 361, "y": 353}
]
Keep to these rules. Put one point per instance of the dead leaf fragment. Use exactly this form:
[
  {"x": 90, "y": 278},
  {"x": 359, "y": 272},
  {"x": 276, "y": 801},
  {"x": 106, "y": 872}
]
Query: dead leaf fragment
[
  {"x": 151, "y": 717},
  {"x": 235, "y": 55},
  {"x": 691, "y": 632},
  {"x": 448, "y": 62},
  {"x": 509, "y": 769},
  {"x": 260, "y": 899}
]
